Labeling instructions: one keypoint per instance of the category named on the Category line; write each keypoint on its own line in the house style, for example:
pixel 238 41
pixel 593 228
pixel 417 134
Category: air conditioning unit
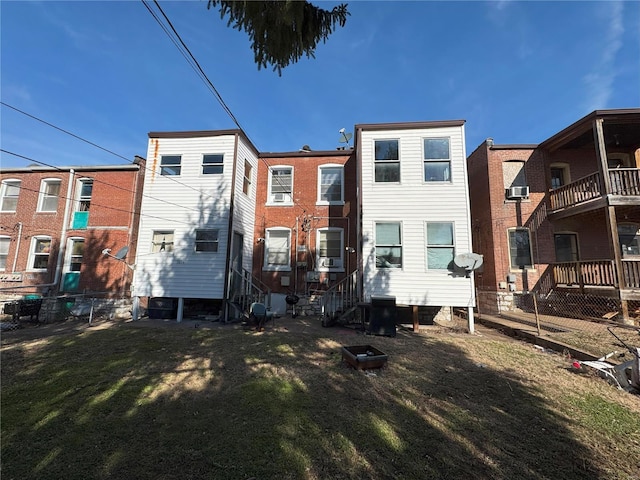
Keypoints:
pixel 278 197
pixel 326 262
pixel 518 192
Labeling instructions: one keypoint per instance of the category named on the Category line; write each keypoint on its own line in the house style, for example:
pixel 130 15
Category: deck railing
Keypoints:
pixel 583 189
pixel 624 181
pixel 340 297
pixel 597 273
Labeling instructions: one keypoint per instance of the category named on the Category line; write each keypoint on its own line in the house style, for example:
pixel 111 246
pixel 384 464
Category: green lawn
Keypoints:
pixel 166 402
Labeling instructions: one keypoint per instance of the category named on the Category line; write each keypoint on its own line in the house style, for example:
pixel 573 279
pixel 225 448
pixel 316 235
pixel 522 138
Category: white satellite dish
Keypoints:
pixel 344 136
pixel 468 261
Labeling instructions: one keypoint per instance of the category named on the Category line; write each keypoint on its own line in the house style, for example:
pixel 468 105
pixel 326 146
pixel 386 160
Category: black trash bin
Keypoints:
pixel 383 316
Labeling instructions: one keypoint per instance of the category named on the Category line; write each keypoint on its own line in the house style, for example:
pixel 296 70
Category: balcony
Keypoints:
pixel 597 274
pixel 625 182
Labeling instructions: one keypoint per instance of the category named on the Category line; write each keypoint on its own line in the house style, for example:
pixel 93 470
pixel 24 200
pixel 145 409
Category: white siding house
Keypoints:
pixel 197 216
pixel 415 215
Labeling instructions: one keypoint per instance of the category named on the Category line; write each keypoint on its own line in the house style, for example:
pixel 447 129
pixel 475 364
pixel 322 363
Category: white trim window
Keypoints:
pixel 277 250
pixel 388 244
pixel 9 195
pixel 162 241
pixel 330 184
pixel 520 256
pixel 4 251
pixel 212 164
pixel 437 159
pixel 387 161
pixel 74 254
pixel 49 195
pixel 85 191
pixel 330 248
pixel 440 245
pixel 39 253
pixel 207 240
pixel 280 185
pixel 246 180
pixel 170 165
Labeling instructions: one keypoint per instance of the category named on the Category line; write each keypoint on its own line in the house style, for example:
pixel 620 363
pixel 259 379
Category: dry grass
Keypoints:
pixel 153 400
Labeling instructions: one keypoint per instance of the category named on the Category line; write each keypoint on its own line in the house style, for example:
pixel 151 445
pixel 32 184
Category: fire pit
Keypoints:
pixel 362 357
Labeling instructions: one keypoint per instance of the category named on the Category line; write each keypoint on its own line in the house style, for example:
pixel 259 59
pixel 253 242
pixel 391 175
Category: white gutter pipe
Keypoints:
pixel 15 257
pixel 63 232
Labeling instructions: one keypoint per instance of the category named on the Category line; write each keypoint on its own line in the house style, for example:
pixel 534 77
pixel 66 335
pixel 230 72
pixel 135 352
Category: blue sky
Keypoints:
pixel 515 71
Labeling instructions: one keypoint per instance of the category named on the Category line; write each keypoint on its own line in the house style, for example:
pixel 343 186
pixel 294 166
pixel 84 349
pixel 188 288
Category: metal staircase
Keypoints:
pixel 245 289
pixel 340 302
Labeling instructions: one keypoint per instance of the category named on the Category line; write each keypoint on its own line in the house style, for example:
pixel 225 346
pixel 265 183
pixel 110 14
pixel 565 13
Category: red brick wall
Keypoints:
pixel 112 224
pixel 304 211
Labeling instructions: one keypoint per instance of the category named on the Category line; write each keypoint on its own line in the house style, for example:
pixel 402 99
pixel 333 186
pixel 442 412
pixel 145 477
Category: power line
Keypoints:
pixel 99 181
pixel 102 148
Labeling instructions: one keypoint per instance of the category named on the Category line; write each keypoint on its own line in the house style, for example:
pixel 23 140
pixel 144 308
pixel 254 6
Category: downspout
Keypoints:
pixel 227 284
pixel 15 257
pixel 63 232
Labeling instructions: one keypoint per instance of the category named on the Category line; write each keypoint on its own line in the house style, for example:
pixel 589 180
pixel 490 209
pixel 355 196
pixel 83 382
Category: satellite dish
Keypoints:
pixel 468 261
pixel 120 254
pixel 344 137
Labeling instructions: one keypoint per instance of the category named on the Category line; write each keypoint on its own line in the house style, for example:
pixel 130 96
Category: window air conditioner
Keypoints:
pixel 518 192
pixel 327 262
pixel 278 197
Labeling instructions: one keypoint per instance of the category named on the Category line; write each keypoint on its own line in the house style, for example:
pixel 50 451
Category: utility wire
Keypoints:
pixel 98 181
pixel 106 150
pixel 110 208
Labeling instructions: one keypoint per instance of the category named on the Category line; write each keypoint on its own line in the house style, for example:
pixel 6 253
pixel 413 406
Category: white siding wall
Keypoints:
pixel 245 205
pixel 413 202
pixel 184 203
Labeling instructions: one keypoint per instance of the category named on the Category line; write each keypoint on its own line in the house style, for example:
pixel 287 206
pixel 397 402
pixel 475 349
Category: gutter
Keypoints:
pixel 63 232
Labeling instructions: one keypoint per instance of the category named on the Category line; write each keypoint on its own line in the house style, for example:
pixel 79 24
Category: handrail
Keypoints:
pixel 341 296
pixel 246 289
pixel 625 181
pixel 581 190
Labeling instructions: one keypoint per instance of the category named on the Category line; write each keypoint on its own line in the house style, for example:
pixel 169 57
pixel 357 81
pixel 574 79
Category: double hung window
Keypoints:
pixel 330 184
pixel 213 164
pixel 49 194
pixel 520 248
pixel 330 248
pixel 170 165
pixel 4 251
pixel 9 195
pixel 388 245
pixel 40 251
pixel 437 160
pixel 281 185
pixel 206 240
pixel 387 161
pixel 440 245
pixel 277 249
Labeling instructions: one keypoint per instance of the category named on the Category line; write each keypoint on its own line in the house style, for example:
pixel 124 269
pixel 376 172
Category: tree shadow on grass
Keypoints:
pixel 229 404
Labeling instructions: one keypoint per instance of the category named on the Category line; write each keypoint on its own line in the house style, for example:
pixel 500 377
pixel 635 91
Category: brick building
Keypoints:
pixel 562 217
pixel 56 222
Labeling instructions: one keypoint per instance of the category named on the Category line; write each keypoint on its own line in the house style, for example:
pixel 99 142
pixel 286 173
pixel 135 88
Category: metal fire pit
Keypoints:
pixel 362 357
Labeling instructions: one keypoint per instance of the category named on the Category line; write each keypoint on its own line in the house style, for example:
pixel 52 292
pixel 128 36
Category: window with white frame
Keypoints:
pixel 331 184
pixel 387 161
pixel 9 195
pixel 162 241
pixel 4 251
pixel 49 195
pixel 281 185
pixel 170 165
pixel 330 248
pixel 40 252
pixel 206 240
pixel 440 245
pixel 520 248
pixel 388 245
pixel 85 193
pixel 246 181
pixel 277 254
pixel 75 252
pixel 437 160
pixel 212 164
